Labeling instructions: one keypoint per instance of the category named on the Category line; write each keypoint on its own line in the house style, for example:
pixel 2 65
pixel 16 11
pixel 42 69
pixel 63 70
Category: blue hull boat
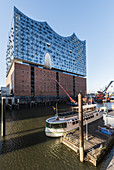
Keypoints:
pixel 107 131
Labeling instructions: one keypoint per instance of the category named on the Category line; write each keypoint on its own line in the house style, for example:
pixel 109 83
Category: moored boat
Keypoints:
pixel 63 122
pixel 72 103
pixel 106 131
pixel 108 118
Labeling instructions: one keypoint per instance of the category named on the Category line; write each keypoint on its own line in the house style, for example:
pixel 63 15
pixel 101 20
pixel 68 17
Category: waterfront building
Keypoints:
pixel 36 56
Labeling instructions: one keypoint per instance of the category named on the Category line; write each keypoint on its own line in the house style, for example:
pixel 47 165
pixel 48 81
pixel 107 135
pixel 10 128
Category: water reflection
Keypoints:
pixel 26 146
pixel 108 105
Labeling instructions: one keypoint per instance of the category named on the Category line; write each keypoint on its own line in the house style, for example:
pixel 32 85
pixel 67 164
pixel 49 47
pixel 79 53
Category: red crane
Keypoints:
pixel 72 100
pixel 101 95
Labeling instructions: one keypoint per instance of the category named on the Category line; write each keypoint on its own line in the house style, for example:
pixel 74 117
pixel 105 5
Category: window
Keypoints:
pixel 60 125
pixel 48 44
pixel 75 122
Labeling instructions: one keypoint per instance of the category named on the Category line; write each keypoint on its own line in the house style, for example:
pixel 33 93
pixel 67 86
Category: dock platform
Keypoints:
pixel 95 147
pixel 111 164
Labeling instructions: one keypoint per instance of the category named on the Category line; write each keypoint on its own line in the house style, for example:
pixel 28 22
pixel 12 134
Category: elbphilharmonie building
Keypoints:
pixel 36 56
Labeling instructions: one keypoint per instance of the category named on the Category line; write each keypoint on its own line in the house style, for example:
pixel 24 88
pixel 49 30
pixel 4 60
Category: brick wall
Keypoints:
pixel 80 85
pixel 44 82
pixel 22 80
pixel 19 78
pixel 67 82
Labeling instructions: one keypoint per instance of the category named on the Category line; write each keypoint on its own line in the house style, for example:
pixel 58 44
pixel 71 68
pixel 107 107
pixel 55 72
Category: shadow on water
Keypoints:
pixel 28 113
pixel 30 130
pixel 22 142
pixel 33 112
pixel 39 111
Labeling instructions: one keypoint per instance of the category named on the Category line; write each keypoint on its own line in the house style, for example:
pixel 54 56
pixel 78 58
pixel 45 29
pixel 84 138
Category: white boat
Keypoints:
pixel 108 118
pixel 63 122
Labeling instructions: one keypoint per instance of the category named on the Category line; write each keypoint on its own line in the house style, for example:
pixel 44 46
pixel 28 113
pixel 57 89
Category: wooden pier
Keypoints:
pixel 111 164
pixel 95 147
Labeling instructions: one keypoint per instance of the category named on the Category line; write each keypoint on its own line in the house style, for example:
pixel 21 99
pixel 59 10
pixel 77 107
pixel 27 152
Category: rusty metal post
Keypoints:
pixel 81 138
pixel 3 112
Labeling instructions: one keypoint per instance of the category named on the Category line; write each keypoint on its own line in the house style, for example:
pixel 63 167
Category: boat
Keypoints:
pixel 63 122
pixel 112 99
pixel 72 103
pixel 102 95
pixel 107 131
pixel 108 118
pixel 99 97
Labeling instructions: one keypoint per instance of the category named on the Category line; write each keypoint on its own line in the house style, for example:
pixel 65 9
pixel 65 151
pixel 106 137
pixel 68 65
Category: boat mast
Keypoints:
pixel 56 110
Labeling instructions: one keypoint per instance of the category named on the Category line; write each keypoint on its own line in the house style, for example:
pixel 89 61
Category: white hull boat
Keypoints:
pixel 63 122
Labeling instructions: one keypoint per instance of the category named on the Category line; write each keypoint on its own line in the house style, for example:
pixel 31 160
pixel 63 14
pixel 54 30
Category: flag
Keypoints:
pixel 54 108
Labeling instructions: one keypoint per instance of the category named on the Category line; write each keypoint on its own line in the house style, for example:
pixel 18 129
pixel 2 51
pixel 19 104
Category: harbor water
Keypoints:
pixel 26 147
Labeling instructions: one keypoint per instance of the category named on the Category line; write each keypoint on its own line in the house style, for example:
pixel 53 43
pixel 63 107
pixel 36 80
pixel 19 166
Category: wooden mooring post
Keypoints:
pixel 3 112
pixel 81 137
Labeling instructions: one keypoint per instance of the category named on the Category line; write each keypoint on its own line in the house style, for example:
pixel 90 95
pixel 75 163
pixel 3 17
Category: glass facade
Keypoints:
pixel 30 40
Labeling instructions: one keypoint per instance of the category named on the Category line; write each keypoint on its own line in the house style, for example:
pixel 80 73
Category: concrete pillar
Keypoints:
pixel 3 112
pixel 81 138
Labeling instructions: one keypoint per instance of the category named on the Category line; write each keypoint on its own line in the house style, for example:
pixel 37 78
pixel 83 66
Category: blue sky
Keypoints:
pixel 90 20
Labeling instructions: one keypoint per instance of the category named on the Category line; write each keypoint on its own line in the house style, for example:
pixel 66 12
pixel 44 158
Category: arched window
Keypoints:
pixel 47 61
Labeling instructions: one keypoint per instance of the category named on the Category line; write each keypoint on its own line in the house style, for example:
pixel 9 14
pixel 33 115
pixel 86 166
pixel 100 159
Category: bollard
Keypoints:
pixel 3 111
pixel 81 138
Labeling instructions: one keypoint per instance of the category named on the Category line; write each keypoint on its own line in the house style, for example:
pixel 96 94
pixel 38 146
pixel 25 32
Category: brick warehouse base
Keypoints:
pixel 24 80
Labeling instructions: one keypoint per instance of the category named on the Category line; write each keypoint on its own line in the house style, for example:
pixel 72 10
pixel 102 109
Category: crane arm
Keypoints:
pixel 65 92
pixel 108 85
